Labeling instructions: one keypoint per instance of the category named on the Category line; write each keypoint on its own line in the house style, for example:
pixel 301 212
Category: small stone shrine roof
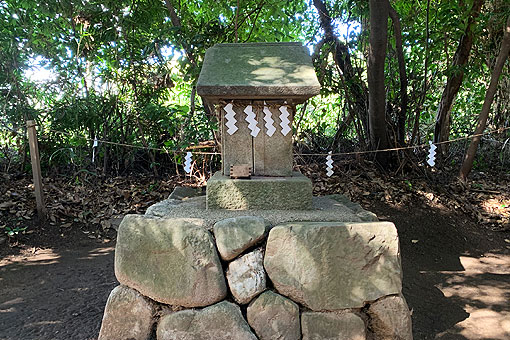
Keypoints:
pixel 258 71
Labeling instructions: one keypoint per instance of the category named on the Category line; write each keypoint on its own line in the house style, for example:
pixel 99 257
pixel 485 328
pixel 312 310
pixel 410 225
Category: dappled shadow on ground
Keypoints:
pixel 456 280
pixel 55 294
pixel 456 274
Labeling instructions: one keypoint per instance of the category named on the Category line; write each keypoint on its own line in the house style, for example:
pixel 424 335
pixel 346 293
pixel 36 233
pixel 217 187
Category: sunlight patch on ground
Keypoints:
pixel 8 306
pixel 97 252
pixel 499 207
pixel 41 323
pixel 489 263
pixel 40 257
pixel 484 290
pixel 482 324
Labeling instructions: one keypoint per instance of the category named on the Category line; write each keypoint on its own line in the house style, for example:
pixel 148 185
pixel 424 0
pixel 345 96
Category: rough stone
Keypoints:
pixel 274 317
pixel 333 266
pixel 267 70
pixel 246 276
pixel 356 208
pixel 284 193
pixel 182 193
pixel 235 235
pixel 390 319
pixel 220 321
pixel 127 315
pixel 367 216
pixel 173 261
pixel 162 208
pixel 323 209
pixel 331 326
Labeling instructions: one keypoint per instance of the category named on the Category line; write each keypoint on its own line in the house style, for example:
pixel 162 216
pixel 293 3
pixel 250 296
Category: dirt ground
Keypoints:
pixel 456 277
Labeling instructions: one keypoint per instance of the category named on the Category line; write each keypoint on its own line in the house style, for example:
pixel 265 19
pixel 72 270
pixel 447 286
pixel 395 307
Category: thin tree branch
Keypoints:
pixel 402 75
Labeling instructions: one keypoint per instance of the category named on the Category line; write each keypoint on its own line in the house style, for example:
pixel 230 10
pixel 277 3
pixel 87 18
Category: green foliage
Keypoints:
pixel 13 231
pixel 124 72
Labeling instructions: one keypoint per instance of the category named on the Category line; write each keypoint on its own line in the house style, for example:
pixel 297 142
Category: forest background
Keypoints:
pixel 124 72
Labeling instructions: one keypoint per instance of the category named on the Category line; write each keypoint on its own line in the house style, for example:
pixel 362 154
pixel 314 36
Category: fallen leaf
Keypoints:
pixel 6 205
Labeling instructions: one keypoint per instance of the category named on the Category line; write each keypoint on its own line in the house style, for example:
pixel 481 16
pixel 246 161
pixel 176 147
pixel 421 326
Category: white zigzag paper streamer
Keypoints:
pixel 270 129
pixel 285 122
pixel 94 146
pixel 252 122
pixel 187 162
pixel 231 121
pixel 432 155
pixel 329 163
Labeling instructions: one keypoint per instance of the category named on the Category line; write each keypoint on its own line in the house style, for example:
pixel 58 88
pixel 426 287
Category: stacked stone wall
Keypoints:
pixel 245 279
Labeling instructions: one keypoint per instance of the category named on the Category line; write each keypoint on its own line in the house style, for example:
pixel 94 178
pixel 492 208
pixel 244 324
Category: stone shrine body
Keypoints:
pixel 258 257
pixel 255 89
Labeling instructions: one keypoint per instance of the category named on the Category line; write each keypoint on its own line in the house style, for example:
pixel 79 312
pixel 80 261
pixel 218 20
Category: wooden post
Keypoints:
pixel 36 169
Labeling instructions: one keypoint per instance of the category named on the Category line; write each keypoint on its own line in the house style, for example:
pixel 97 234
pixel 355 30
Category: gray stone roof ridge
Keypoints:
pixel 258 70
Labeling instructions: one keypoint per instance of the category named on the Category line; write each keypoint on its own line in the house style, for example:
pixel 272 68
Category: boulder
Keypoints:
pixel 390 319
pixel 246 276
pixel 220 321
pixel 334 265
pixel 274 317
pixel 364 215
pixel 182 193
pixel 332 326
pixel 127 315
pixel 235 235
pixel 162 208
pixel 172 261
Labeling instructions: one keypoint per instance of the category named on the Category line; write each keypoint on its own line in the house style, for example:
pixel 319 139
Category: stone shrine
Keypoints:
pixel 255 89
pixel 258 257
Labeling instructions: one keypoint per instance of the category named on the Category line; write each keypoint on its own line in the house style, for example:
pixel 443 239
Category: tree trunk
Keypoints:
pixel 442 127
pixel 489 98
pixel 416 126
pixel 176 22
pixel 379 11
pixel 355 89
pixel 402 115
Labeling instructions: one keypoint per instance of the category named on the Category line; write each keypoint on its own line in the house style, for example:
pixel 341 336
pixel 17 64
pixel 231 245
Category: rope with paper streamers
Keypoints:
pixel 419 146
pixel 188 160
pixel 135 146
pixel 189 151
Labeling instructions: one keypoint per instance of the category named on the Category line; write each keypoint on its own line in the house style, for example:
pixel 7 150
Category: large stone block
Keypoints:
pixel 334 265
pixel 220 321
pixel 274 317
pixel 323 209
pixel 172 261
pixel 127 315
pixel 235 235
pixel 331 326
pixel 284 193
pixel 246 276
pixel 390 319
pixel 364 215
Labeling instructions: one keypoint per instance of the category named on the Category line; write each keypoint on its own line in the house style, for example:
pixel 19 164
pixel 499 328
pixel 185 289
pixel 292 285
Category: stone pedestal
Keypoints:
pixel 330 279
pixel 262 193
